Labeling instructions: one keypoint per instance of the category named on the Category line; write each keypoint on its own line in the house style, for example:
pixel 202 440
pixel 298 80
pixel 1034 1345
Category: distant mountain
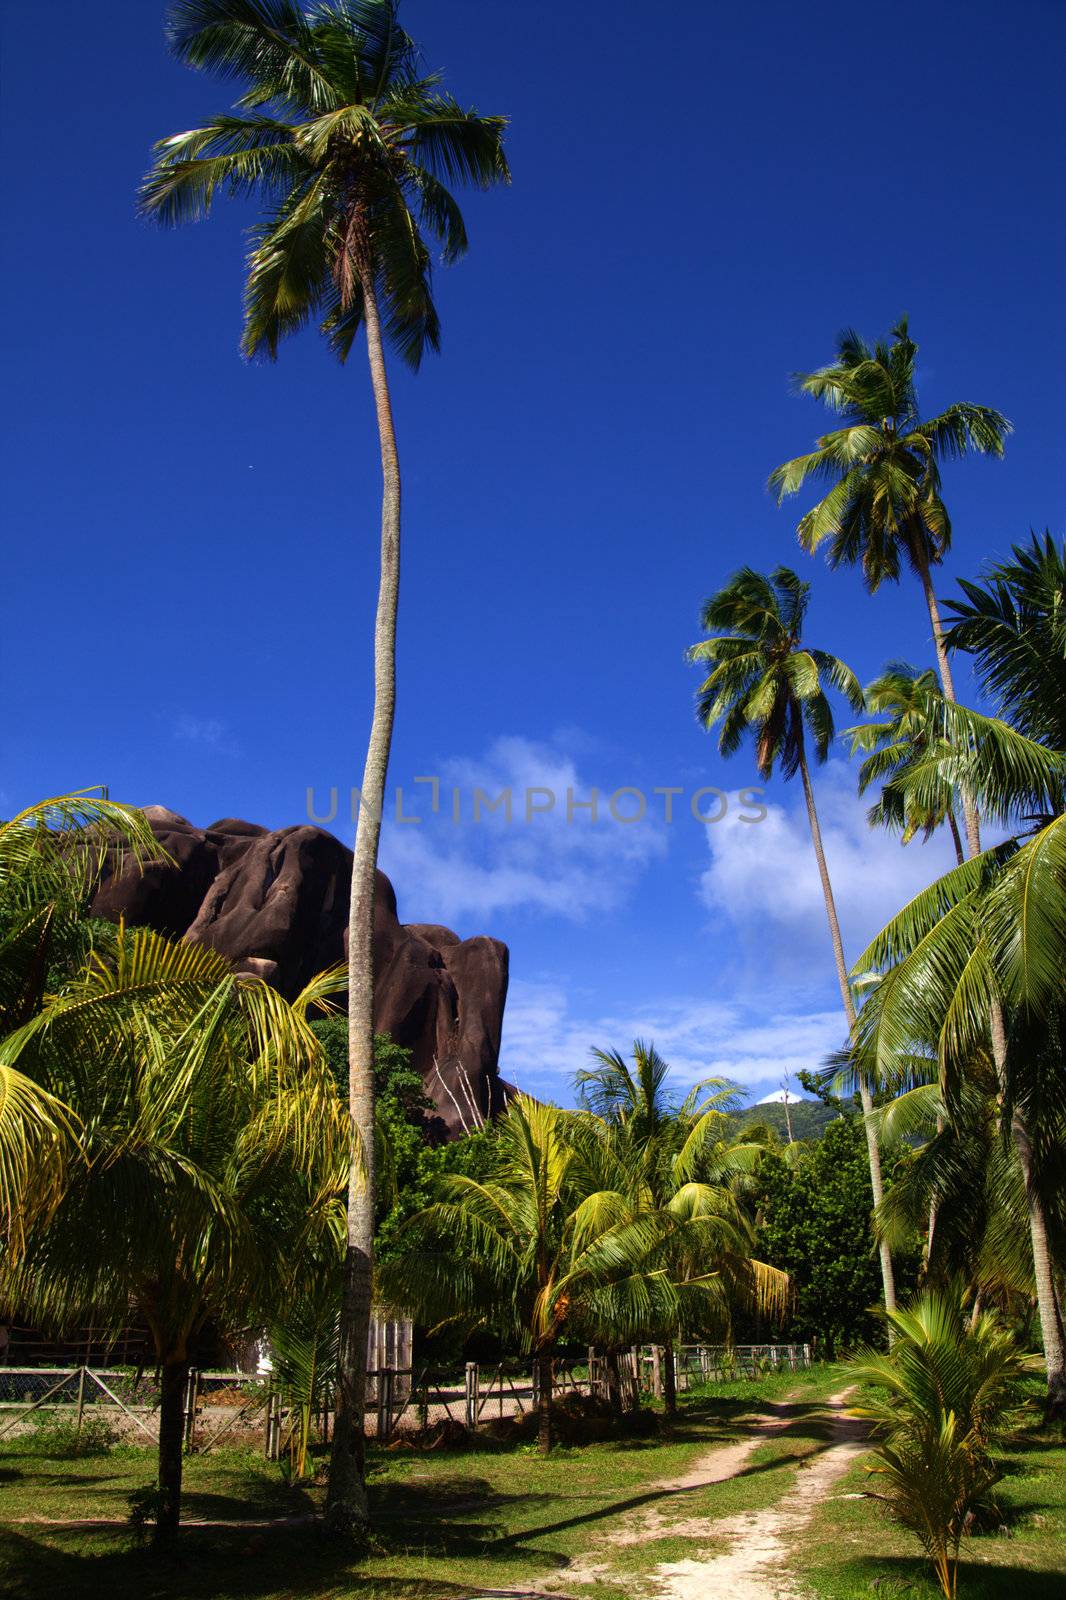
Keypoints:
pixel 810 1118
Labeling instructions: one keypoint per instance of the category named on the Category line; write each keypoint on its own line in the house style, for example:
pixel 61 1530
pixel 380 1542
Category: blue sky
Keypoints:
pixel 702 196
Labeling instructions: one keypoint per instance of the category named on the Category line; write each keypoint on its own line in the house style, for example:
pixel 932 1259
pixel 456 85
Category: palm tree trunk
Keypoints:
pixel 888 1280
pixel 544 1402
pixel 1051 1330
pixel 933 1210
pixel 173 1379
pixel 346 1504
pixel 969 810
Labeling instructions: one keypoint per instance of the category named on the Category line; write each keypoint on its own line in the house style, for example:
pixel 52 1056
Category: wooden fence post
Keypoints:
pixel 81 1397
pixel 385 1377
pixel 191 1386
pixel 472 1386
pixel 656 1372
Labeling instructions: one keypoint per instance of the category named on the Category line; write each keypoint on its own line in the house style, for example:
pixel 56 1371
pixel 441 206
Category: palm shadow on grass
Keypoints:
pixel 210 1563
pixel 458 1517
pixel 891 1576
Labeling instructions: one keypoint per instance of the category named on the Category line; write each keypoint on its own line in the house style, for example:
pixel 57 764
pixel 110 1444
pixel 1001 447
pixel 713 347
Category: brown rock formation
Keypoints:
pixel 276 903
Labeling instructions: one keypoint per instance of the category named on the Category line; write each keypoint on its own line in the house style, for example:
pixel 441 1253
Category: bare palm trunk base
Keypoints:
pixel 888 1280
pixel 346 1504
pixel 669 1379
pixel 1051 1330
pixel 173 1378
pixel 544 1403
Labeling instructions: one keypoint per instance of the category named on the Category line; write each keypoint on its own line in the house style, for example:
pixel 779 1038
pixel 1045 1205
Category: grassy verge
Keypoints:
pixel 852 1549
pixel 446 1523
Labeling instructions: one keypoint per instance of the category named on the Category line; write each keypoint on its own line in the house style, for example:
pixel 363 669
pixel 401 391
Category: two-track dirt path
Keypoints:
pixel 755 1564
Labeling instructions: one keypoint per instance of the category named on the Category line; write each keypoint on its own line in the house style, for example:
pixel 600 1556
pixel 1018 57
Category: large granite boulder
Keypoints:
pixel 276 903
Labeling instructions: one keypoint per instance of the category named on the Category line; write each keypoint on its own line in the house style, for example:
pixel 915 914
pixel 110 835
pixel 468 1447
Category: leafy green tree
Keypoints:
pixel 765 682
pixel 814 1222
pixel 211 1148
pixel 943 1394
pixel 407 1164
pixel 884 509
pixel 349 145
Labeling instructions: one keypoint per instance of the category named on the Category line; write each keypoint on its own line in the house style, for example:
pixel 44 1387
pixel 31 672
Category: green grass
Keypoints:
pixel 446 1524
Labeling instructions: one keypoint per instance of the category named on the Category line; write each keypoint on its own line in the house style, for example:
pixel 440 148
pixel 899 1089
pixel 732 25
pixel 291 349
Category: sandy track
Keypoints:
pixel 755 1566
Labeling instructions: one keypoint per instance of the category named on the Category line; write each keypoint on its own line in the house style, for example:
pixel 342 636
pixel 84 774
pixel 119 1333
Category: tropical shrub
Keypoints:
pixel 943 1394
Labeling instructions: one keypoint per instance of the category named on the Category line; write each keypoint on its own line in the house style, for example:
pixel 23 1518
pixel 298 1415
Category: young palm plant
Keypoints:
pixel 350 146
pixel 212 1148
pixel 950 1389
pixel 765 682
pixel 884 509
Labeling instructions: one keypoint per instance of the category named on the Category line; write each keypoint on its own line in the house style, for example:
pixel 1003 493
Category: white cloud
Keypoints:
pixel 545 1041
pixel 551 856
pixel 201 730
pixel 763 876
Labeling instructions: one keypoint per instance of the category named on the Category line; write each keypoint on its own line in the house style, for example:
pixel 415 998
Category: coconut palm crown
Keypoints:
pixel 763 679
pixel 884 505
pixel 911 733
pixel 347 143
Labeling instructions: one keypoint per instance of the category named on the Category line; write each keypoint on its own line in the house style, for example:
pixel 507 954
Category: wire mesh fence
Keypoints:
pixel 250 1409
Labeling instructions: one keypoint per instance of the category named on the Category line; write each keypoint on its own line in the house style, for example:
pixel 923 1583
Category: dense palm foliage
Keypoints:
pixel 350 148
pixel 211 1149
pixel 1013 623
pixel 569 1238
pixel 764 681
pixel 942 1396
pixel 680 1158
pixel 51 855
pixel 971 968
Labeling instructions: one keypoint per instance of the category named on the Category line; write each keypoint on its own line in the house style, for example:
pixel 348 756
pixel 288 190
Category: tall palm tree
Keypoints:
pixel 884 509
pixel 766 682
pixel 911 734
pixel 349 145
pixel 212 1145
